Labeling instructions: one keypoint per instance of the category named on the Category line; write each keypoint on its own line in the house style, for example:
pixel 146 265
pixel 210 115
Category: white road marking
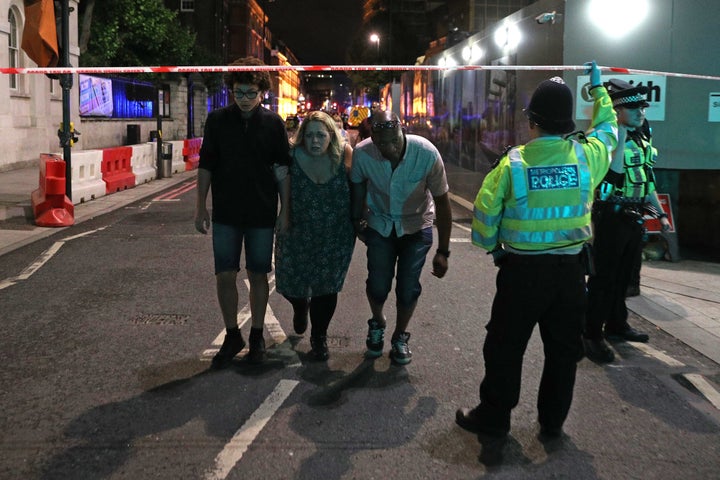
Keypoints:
pixel 273 327
pixel 707 390
pixel 84 234
pixel 462 227
pixel 243 438
pixel 465 239
pixel 461 201
pixel 657 354
pixel 42 260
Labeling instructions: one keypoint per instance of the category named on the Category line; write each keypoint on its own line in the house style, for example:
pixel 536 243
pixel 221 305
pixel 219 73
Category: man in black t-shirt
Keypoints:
pixel 244 160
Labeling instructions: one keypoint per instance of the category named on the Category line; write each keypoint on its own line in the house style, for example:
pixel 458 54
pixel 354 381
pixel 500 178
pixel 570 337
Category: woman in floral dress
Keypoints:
pixel 312 257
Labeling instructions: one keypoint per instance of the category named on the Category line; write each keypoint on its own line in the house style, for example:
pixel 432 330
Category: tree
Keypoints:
pixel 134 32
pixel 86 12
pixel 138 32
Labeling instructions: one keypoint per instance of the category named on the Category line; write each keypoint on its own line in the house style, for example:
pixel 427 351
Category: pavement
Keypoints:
pixel 17 227
pixel 681 298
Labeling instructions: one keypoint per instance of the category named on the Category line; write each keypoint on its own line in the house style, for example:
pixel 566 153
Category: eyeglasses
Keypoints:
pixel 250 94
pixel 385 125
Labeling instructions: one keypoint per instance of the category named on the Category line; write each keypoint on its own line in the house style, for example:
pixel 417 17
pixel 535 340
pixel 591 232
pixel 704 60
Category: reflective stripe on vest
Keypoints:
pixel 522 212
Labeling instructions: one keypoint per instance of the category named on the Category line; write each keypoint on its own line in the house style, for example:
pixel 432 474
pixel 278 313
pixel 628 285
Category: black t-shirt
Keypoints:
pixel 240 155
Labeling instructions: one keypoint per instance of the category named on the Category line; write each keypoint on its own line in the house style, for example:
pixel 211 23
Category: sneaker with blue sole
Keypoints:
pixel 400 352
pixel 375 339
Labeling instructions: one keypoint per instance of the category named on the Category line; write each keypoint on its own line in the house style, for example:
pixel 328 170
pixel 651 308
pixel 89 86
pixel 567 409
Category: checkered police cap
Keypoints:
pixel 624 94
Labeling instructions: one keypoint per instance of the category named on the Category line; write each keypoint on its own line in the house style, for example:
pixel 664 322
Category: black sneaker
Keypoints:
pixel 375 339
pixel 319 348
pixel 232 345
pixel 400 351
pixel 598 350
pixel 257 346
pixel 627 335
pixel 467 419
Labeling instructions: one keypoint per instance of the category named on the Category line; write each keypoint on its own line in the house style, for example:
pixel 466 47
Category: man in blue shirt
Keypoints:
pixel 401 178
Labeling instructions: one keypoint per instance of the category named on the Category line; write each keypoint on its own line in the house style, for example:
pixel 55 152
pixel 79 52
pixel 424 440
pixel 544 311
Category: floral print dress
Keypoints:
pixel 313 257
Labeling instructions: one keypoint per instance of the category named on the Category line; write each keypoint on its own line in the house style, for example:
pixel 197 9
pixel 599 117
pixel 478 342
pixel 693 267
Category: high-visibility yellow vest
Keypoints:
pixel 549 205
pixel 539 196
pixel 639 160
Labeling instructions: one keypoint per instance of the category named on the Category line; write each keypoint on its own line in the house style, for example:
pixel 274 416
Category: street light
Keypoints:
pixel 634 12
pixel 375 38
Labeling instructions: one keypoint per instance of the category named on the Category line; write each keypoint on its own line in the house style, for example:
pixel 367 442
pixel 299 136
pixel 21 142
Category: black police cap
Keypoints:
pixel 624 94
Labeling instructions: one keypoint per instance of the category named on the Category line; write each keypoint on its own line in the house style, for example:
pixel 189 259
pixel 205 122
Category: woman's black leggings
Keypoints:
pixel 322 309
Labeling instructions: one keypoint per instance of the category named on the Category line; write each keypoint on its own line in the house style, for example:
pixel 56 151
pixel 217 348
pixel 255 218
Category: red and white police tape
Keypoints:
pixel 332 68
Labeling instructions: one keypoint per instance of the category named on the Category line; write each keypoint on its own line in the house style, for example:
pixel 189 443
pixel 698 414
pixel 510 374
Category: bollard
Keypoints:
pixel 166 164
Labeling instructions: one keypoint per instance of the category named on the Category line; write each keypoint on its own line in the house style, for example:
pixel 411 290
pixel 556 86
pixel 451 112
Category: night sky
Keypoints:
pixel 316 31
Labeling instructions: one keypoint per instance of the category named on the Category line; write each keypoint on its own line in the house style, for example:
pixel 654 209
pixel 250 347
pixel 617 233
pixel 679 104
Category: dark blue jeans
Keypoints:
pixel 407 253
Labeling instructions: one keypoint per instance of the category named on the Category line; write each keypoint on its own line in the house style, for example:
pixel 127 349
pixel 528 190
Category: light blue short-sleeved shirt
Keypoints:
pixel 402 198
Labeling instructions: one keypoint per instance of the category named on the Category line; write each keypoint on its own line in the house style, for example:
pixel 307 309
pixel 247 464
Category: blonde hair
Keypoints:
pixel 335 149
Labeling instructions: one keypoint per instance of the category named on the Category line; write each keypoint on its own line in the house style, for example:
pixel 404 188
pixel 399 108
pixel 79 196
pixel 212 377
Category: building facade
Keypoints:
pixel 472 115
pixel 30 119
pixel 239 28
pixel 31 114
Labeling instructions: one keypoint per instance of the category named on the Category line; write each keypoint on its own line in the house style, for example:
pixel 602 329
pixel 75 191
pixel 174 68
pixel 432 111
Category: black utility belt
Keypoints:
pixel 617 207
pixel 624 201
pixel 541 259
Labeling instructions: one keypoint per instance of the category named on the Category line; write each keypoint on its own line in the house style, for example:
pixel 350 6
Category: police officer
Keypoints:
pixel 618 219
pixel 533 214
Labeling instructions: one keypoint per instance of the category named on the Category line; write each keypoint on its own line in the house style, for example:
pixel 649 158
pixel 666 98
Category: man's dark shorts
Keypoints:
pixel 227 246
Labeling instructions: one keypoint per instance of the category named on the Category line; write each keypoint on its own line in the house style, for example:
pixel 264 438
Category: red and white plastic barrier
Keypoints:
pixel 117 169
pixel 51 207
pixel 191 152
pixel 87 182
pixel 143 162
pixel 178 161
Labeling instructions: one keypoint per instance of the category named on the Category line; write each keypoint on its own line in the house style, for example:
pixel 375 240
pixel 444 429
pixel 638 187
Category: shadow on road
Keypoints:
pixel 346 414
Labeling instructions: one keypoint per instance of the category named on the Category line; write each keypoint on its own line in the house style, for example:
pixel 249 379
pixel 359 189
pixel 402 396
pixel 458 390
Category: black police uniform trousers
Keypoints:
pixel 548 290
pixel 616 241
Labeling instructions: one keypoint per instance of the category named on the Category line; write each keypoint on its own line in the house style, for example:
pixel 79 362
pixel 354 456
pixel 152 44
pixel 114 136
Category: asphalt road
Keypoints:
pixel 106 346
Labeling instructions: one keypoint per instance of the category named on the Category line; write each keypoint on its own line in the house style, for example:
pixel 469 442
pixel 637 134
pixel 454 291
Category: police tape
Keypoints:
pixel 333 68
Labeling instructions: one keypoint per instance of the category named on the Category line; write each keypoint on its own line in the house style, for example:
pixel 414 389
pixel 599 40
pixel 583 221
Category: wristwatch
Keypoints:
pixel 444 253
